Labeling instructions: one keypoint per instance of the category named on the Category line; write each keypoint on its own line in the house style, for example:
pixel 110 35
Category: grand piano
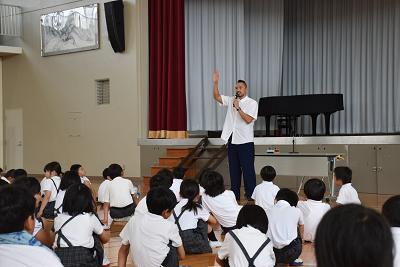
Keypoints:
pixel 296 105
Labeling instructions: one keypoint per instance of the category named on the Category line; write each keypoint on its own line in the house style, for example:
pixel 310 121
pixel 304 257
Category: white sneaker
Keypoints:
pixel 297 262
pixel 215 244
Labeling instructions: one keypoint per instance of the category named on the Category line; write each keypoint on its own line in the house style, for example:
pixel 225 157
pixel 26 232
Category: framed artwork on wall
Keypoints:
pixel 71 30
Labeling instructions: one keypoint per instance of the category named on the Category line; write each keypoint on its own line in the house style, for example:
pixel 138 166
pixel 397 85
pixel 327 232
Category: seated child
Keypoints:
pixel 32 185
pixel 78 230
pixel 286 227
pixel 17 222
pixel 191 219
pixel 220 202
pixel 51 189
pixel 69 178
pixel 153 240
pixel 103 185
pixel 313 209
pixel 119 195
pixel 248 239
pixel 352 235
pixel 264 193
pixel 347 193
pixel 179 174
pixel 9 176
pixel 82 173
pixel 391 210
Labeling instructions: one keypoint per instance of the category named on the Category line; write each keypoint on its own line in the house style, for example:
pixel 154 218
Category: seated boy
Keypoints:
pixel 17 222
pixel 347 193
pixel 264 193
pixel 179 174
pixel 286 227
pixel 313 209
pixel 103 185
pixel 153 240
pixel 391 210
pixel 119 195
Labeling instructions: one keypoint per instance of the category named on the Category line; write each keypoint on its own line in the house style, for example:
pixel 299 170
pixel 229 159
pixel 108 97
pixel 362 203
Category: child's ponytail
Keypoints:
pixel 190 189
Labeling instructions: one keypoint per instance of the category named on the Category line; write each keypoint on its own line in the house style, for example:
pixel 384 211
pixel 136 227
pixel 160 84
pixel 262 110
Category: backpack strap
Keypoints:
pixel 58 209
pixel 250 260
pixel 177 220
pixel 58 189
pixel 61 235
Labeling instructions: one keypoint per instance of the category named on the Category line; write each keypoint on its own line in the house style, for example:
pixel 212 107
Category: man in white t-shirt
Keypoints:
pixel 17 245
pixel 238 132
pixel 119 196
pixel 347 193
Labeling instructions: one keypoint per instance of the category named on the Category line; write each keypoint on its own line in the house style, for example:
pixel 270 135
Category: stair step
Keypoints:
pixel 178 152
pixel 170 161
pixel 146 179
pixel 190 173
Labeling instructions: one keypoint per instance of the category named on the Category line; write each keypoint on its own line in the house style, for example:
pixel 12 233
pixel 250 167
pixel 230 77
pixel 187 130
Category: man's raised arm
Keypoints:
pixel 217 96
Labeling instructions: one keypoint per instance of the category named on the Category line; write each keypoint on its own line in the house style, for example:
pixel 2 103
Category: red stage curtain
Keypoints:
pixel 167 69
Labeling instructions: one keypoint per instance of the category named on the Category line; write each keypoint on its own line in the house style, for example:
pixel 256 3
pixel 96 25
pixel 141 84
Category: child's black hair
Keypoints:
pixel 78 199
pixel 314 189
pixel 160 180
pixel 268 173
pixel 179 172
pixel 361 237
pixel 19 173
pixel 1 170
pixel 190 189
pixel 213 183
pixel 75 167
pixel 9 173
pixel 167 173
pixel 105 173
pixel 203 173
pixel 16 205
pixel 2 183
pixel 114 170
pixel 69 178
pixel 53 166
pixel 343 173
pixel 287 195
pixel 254 216
pixel 159 199
pixel 391 210
pixel 29 183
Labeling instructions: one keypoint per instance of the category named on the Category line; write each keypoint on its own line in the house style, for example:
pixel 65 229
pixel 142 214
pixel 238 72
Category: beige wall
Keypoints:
pixel 48 88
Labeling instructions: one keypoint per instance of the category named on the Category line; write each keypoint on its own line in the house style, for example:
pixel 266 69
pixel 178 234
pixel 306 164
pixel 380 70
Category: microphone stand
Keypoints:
pixel 293 152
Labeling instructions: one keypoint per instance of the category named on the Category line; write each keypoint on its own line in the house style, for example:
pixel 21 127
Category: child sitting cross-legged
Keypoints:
pixel 347 193
pixel 264 193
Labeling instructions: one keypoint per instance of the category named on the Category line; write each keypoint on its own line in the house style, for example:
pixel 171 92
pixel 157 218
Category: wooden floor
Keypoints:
pixel 373 201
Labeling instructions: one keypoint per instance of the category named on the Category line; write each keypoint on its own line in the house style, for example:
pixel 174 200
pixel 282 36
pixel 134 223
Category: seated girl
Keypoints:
pixel 69 178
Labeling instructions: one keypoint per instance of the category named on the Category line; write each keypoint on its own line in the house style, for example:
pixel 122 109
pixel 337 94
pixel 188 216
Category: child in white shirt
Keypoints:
pixel 103 185
pixel 264 193
pixel 252 226
pixel 179 174
pixel 391 210
pixel 82 173
pixel 151 239
pixel 347 193
pixel 51 189
pixel 313 209
pixel 286 227
pixel 69 178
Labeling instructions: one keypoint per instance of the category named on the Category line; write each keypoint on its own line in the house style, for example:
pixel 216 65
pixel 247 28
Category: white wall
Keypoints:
pixel 48 88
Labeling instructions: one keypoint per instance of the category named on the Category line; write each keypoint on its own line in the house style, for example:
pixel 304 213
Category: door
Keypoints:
pixel 14 139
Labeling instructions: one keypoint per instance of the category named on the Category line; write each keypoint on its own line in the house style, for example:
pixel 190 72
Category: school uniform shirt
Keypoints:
pixel 149 236
pixel 42 186
pixel 189 220
pixel 348 195
pixel 49 186
pixel 38 226
pixel 22 255
pixel 84 178
pixel 242 132
pixel 224 207
pixel 252 239
pixel 313 211
pixel 79 230
pixel 282 223
pixel 142 207
pixel 59 201
pixel 5 179
pixel 264 194
pixel 396 238
pixel 102 188
pixel 176 188
pixel 119 192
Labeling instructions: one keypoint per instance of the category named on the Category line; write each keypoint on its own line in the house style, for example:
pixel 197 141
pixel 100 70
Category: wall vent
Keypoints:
pixel 103 92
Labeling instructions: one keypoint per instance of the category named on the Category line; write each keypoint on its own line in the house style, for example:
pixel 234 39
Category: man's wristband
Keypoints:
pixel 238 109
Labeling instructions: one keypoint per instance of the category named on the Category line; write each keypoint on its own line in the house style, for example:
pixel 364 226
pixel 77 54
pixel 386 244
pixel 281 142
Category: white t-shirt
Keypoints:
pixel 282 223
pixel 79 230
pixel 189 220
pixel 38 226
pixel 59 201
pixel 102 188
pixel 264 194
pixel 119 192
pixel 84 178
pixel 348 195
pixel 148 236
pixel 176 188
pixel 21 255
pixel 234 124
pixel 313 211
pixel 48 185
pixel 252 239
pixel 224 207
pixel 42 185
pixel 396 238
pixel 5 179
pixel 142 207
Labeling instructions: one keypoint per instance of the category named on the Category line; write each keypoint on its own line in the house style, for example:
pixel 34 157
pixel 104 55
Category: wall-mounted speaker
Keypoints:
pixel 114 11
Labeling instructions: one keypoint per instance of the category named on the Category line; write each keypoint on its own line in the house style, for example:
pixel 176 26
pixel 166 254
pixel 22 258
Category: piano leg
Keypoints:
pixel 314 117
pixel 327 122
pixel 267 122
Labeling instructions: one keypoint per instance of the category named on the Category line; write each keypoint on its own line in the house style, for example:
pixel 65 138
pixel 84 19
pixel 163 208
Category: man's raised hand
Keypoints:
pixel 215 75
